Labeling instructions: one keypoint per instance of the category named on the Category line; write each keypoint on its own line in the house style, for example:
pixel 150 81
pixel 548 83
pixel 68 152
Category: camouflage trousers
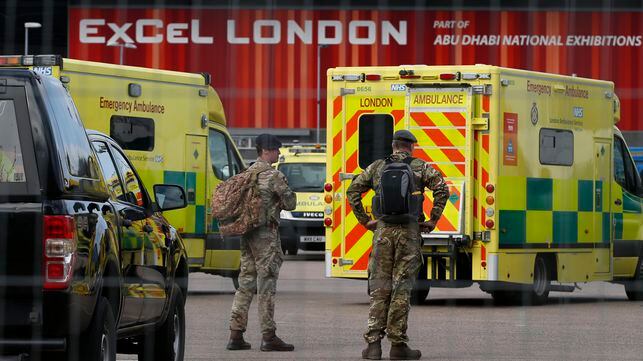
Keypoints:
pixel 261 258
pixel 392 269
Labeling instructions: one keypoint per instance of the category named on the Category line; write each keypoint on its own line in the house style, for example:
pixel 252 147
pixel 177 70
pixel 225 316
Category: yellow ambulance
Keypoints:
pixel 173 128
pixel 544 193
pixel 305 169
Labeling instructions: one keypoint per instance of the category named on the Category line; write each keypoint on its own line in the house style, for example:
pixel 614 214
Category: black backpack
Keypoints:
pixel 397 198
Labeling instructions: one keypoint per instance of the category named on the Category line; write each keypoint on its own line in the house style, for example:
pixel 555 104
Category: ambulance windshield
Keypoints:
pixel 304 177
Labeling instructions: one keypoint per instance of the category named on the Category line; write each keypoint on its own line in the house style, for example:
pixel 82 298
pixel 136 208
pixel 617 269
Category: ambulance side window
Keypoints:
pixel 624 170
pixel 132 133
pixel 225 162
pixel 375 138
pixel 556 147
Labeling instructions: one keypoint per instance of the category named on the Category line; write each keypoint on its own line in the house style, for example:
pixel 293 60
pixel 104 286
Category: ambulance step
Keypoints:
pixel 561 288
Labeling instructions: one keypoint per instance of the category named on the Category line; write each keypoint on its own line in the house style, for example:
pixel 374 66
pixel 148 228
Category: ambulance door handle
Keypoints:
pixel 346 176
pixel 618 202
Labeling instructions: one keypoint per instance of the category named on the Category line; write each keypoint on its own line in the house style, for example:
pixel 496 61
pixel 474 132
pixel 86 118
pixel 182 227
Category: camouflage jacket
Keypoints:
pixel 425 177
pixel 274 191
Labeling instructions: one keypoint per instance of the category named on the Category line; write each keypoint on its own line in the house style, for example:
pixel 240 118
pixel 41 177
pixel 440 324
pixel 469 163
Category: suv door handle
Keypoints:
pixel 147 228
pixel 618 202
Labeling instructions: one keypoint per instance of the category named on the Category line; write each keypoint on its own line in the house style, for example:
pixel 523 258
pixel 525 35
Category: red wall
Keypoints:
pixel 274 85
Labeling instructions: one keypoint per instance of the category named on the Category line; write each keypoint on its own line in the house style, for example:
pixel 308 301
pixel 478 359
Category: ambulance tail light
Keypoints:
pixel 328 222
pixel 490 188
pixel 328 199
pixel 490 223
pixel 328 187
pixel 59 251
pixel 373 77
pixel 449 76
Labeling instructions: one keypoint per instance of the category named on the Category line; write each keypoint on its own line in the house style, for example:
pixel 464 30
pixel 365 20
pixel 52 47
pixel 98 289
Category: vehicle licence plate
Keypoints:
pixel 312 239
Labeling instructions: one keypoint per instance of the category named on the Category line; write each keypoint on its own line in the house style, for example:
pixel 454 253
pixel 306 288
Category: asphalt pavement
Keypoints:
pixel 325 319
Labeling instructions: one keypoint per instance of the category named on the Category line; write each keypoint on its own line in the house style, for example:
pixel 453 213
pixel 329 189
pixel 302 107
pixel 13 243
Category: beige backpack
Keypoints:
pixel 236 204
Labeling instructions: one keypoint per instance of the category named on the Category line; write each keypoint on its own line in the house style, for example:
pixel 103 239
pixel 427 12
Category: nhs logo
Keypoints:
pixel 398 87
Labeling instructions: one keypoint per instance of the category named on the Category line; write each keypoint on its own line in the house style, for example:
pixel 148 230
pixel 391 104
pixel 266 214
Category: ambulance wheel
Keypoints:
pixel 421 287
pixel 293 249
pixel 634 288
pixel 542 280
pixel 418 296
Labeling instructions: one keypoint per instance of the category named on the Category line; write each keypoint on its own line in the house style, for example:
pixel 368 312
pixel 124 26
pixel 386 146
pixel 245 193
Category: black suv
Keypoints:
pixel 87 261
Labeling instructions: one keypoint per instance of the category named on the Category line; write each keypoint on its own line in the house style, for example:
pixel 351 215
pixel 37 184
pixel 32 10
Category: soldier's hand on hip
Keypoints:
pixel 371 225
pixel 427 226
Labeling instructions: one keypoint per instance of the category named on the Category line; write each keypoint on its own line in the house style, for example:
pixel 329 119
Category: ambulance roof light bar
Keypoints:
pixel 450 76
pixel 408 74
pixel 30 60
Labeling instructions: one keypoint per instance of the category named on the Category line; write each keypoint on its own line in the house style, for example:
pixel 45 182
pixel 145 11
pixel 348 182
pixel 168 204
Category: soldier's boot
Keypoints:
pixel 373 351
pixel 403 352
pixel 270 342
pixel 237 342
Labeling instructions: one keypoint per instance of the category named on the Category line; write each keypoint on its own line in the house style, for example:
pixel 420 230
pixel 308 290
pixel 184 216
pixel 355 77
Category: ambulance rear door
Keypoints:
pixel 366 116
pixel 441 119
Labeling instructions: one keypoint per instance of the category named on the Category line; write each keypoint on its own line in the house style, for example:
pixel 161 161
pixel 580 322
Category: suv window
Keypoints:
pixel 225 162
pixel 75 151
pixel 375 138
pixel 109 170
pixel 132 133
pixel 11 165
pixel 133 188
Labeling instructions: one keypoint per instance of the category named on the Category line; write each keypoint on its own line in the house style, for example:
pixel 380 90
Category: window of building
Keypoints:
pixel 556 147
pixel 375 138
pixel 132 133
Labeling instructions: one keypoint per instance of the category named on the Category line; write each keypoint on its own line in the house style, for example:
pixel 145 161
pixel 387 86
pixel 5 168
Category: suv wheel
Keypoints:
pixel 100 344
pixel 167 342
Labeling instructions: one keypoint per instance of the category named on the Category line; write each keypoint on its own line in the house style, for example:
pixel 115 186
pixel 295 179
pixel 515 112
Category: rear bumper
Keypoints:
pixel 17 345
pixel 43 324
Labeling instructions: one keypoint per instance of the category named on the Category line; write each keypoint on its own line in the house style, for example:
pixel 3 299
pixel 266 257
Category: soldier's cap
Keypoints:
pixel 405 135
pixel 267 142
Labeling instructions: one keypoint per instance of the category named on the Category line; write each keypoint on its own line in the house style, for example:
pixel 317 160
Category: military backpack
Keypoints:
pixel 237 205
pixel 397 199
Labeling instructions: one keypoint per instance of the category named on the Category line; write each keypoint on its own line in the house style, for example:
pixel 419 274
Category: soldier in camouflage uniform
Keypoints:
pixel 261 254
pixel 396 256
